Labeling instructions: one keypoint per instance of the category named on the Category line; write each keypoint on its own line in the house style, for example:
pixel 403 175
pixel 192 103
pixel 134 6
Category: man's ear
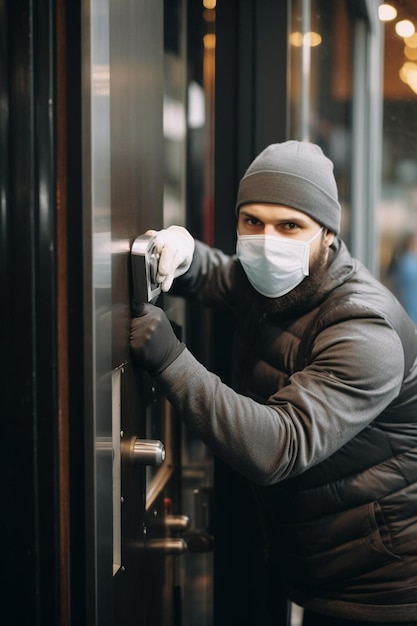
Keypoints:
pixel 328 237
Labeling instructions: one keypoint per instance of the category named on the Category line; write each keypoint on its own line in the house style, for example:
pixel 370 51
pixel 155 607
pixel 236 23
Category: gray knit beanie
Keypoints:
pixel 295 174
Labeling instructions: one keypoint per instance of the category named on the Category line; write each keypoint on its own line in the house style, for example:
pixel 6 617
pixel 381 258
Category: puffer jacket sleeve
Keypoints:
pixel 346 385
pixel 209 279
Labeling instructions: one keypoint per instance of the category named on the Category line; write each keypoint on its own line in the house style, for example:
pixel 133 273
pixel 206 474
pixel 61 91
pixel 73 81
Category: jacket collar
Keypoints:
pixel 340 268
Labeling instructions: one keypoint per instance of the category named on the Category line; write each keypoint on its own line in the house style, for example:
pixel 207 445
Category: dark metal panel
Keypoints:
pixel 123 185
pixel 17 327
pixel 137 158
pixel 251 96
pixel 70 136
pixel 29 372
pixel 232 113
pixel 137 182
pixel 271 74
pixel 251 112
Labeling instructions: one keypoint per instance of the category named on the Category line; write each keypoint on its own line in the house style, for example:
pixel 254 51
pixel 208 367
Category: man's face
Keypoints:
pixel 282 221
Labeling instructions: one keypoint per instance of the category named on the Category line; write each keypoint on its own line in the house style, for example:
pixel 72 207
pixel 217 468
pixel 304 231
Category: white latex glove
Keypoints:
pixel 175 246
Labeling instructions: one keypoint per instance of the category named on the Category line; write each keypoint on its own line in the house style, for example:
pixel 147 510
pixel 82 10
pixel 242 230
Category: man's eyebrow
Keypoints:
pixel 248 214
pixel 293 220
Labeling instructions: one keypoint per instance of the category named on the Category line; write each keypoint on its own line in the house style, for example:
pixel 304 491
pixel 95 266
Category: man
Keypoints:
pixel 403 274
pixel 322 417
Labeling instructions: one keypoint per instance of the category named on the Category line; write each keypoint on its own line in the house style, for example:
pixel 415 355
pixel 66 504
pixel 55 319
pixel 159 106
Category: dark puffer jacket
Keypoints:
pixel 323 419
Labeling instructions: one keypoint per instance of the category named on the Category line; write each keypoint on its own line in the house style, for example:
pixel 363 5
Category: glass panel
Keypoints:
pixel 397 211
pixel 188 179
pixel 158 423
pixel 197 567
pixel 320 90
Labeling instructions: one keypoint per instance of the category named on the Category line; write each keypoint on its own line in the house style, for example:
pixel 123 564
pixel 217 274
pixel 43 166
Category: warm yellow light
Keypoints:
pixel 411 42
pixel 313 39
pixel 296 39
pixel 386 12
pixel 410 53
pixel 209 4
pixel 309 39
pixel 408 74
pixel 404 28
pixel 209 41
pixel 407 70
pixel 412 81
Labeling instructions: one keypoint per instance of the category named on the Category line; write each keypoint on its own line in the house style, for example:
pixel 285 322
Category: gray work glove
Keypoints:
pixel 153 343
pixel 175 246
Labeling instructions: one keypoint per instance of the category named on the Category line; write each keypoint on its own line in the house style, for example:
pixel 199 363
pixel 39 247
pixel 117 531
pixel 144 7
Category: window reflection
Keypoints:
pixel 397 212
pixel 321 54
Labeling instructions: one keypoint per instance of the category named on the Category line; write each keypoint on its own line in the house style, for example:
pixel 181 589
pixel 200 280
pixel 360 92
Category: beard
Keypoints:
pixel 298 300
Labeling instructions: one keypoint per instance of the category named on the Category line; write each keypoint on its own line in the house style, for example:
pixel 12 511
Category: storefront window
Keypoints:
pixel 321 52
pixel 397 212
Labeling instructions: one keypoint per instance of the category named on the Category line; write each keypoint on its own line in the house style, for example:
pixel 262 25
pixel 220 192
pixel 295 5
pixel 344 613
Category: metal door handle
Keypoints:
pixel 166 545
pixel 176 523
pixel 148 451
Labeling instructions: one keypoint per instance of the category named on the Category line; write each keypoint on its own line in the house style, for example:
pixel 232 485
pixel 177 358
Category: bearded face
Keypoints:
pixel 297 298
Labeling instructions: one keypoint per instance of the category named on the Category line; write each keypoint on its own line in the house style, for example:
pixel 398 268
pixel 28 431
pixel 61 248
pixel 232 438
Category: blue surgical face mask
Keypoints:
pixel 274 265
